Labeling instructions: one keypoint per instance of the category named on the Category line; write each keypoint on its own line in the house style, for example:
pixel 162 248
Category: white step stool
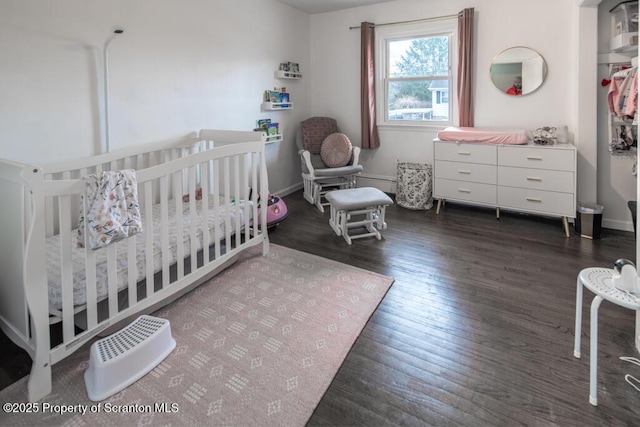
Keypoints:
pixel 119 360
pixel 367 201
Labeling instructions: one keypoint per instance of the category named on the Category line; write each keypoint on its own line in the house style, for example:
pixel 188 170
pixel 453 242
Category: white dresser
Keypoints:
pixel 538 179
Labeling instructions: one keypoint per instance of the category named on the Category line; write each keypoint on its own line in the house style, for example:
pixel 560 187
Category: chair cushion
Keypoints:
pixel 336 150
pixel 338 172
pixel 315 130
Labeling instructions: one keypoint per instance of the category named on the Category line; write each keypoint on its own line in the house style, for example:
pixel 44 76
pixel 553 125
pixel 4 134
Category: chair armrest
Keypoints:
pixel 356 155
pixel 306 158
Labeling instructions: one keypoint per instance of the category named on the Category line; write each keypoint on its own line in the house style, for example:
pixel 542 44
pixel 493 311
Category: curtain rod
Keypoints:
pixel 413 20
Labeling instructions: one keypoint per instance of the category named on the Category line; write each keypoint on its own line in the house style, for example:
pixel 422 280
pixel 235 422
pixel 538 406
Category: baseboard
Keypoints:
pixel 288 190
pixel 615 224
pixel 385 183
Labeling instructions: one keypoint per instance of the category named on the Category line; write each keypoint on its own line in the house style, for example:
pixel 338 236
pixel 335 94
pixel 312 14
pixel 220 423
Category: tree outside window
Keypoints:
pixel 418 79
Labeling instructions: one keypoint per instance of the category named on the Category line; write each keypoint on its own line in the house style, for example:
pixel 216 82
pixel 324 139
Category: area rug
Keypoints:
pixel 257 345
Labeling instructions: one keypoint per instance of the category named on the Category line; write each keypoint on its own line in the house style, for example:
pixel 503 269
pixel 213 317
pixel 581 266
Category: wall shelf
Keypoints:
pixel 270 139
pixel 280 74
pixel 274 106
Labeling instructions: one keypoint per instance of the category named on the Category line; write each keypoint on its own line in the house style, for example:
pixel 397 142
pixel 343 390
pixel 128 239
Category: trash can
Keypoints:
pixel 589 220
pixel 414 186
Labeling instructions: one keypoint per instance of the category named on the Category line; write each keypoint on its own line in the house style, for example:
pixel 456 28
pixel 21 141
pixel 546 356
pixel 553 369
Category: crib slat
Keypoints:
pixel 164 230
pixel 193 220
pixel 216 207
pixel 66 267
pixel 237 231
pixel 206 235
pixel 256 195
pixel 148 223
pixel 245 195
pixel 49 219
pixel 112 278
pixel 132 270
pixel 177 189
pixel 92 299
pixel 227 203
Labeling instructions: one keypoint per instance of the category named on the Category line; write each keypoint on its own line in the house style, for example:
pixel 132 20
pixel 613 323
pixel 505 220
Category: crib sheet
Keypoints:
pixel 78 258
pixel 484 135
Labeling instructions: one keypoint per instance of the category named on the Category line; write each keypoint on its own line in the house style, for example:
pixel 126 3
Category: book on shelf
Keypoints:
pixel 284 97
pixel 262 124
pixel 272 129
pixel 274 96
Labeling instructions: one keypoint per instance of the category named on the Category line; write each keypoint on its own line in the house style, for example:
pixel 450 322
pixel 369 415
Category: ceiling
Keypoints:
pixel 321 6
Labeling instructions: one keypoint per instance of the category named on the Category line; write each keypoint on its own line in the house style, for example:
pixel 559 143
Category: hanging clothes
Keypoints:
pixel 632 100
pixel 622 95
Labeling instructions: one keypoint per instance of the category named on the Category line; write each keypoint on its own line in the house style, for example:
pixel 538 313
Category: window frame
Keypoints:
pixel 385 34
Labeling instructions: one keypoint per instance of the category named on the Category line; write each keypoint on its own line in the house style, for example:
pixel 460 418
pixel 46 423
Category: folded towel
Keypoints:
pixel 113 212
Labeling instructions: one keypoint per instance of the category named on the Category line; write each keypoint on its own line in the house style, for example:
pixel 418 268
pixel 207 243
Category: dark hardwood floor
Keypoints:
pixel 477 329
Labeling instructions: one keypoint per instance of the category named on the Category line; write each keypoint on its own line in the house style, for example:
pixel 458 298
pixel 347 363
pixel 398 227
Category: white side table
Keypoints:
pixel 600 282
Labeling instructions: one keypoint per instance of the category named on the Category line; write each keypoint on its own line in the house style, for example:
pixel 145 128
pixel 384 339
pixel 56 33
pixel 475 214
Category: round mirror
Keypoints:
pixel 518 71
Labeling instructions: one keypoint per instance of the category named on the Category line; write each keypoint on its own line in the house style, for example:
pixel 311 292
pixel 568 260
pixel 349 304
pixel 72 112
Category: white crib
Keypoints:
pixel 45 280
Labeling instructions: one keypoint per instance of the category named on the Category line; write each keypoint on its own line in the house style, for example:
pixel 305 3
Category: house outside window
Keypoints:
pixel 415 73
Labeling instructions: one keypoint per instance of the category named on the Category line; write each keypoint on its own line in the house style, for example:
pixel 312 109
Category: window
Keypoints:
pixel 415 77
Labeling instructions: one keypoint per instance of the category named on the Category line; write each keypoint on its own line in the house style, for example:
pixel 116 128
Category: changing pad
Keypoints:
pixel 484 135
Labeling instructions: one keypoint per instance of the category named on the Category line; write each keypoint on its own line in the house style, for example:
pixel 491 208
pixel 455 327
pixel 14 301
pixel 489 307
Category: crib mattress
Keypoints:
pixel 484 135
pixel 78 254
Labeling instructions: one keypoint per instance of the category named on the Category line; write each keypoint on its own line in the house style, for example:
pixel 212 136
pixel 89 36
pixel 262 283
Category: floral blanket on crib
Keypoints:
pixel 113 211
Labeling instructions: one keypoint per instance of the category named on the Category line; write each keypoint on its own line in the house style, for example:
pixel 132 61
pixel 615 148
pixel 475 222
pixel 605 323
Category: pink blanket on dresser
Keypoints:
pixel 484 135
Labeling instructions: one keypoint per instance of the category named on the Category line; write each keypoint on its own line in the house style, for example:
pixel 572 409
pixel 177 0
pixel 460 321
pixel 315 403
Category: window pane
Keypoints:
pixel 419 100
pixel 420 57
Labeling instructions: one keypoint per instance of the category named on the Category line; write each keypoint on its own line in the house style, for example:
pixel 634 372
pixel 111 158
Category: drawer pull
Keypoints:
pixel 534 199
pixel 533 158
pixel 464 190
pixel 464 172
pixel 464 153
pixel 533 178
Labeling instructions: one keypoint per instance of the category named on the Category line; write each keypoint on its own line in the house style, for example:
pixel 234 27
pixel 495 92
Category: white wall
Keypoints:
pixel 499 25
pixel 180 66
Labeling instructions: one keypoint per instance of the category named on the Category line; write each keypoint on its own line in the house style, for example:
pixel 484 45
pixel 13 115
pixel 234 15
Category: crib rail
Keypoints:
pixel 137 157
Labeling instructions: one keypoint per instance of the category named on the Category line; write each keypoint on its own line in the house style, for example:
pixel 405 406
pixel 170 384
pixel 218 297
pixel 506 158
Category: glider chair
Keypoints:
pixel 329 161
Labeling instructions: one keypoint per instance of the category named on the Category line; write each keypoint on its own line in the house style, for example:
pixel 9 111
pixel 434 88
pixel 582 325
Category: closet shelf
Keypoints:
pixel 625 43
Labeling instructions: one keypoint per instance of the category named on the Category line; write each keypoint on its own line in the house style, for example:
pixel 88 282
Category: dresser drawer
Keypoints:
pixel 537 157
pixel 475 172
pixel 468 153
pixel 468 191
pixel 544 202
pixel 537 179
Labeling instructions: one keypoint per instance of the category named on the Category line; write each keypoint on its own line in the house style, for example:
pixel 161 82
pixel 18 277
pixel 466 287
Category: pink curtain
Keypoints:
pixel 465 66
pixel 369 127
